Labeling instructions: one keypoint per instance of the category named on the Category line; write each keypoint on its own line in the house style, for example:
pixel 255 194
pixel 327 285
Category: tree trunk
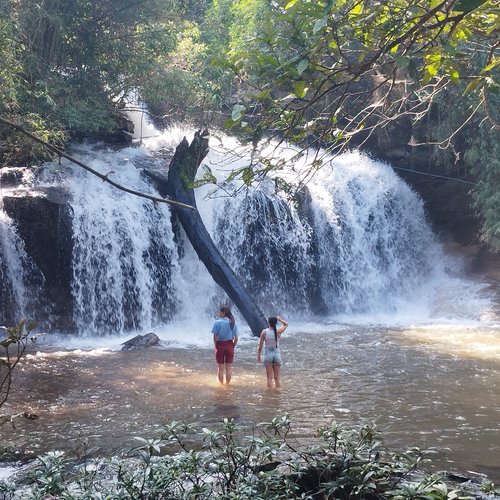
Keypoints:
pixel 181 174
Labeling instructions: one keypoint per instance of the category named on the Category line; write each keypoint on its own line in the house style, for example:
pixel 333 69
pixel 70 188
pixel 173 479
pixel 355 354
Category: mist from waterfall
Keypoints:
pixel 356 243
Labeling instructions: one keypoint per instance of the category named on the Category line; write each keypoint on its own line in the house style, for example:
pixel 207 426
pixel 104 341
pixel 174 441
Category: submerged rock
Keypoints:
pixel 140 342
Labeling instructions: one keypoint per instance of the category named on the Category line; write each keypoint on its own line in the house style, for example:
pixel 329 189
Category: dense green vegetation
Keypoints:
pixel 228 464
pixel 319 73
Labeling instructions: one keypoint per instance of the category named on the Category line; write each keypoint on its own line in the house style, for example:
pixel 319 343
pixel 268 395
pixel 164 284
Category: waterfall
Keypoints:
pixel 357 241
pixel 14 264
pixel 354 241
pixel 20 280
pixel 124 259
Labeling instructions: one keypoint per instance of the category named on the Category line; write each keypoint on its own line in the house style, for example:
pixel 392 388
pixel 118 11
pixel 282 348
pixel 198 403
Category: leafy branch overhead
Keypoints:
pixel 322 74
pixel 325 71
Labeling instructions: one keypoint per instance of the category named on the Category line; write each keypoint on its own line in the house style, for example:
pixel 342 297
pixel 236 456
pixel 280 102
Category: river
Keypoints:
pixel 430 386
pixel 406 339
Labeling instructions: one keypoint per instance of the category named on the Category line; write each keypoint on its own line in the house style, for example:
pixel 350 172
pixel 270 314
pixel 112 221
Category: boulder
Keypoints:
pixel 141 342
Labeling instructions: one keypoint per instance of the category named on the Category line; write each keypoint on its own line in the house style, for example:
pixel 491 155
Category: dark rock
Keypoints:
pixel 44 224
pixel 441 177
pixel 11 177
pixel 140 342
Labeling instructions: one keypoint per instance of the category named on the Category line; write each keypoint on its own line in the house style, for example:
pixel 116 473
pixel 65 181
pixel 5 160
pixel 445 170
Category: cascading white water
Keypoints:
pixel 375 246
pixel 13 265
pixel 21 282
pixel 125 263
pixel 356 242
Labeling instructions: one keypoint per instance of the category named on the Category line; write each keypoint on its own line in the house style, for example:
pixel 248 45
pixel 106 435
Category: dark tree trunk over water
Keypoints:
pixel 181 174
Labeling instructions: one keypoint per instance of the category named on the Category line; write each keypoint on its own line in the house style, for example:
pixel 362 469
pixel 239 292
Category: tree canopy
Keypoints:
pixel 330 73
pixel 327 70
pixel 318 73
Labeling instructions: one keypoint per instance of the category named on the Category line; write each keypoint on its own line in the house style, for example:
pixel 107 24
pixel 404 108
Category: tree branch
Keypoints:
pixel 104 177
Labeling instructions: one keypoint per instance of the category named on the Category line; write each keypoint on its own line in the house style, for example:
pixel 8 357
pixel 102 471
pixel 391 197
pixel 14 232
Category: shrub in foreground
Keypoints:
pixel 228 463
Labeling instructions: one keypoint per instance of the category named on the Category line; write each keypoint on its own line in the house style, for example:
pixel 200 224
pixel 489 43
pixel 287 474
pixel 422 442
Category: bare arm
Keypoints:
pixel 261 343
pixel 284 324
pixel 215 342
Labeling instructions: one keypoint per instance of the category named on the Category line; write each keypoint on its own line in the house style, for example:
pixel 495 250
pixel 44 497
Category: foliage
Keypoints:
pixel 67 65
pixel 10 66
pixel 268 464
pixel 318 73
pixel 328 74
pixel 194 82
pixel 13 345
pixel 484 155
pixel 327 70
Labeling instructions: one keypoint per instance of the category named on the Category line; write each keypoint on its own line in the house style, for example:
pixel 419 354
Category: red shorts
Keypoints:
pixel 224 351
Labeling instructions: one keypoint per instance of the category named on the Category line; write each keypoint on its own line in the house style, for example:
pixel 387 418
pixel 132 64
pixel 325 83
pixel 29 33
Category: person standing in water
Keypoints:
pixel 225 339
pixel 270 337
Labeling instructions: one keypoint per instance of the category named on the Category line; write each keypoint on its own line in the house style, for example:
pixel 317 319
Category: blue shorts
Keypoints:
pixel 272 356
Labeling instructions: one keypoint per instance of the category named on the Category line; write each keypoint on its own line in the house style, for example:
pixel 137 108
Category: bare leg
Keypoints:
pixel 269 373
pixel 276 370
pixel 220 372
pixel 228 373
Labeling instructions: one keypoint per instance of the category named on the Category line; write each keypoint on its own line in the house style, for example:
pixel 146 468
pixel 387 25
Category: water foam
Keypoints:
pixel 358 245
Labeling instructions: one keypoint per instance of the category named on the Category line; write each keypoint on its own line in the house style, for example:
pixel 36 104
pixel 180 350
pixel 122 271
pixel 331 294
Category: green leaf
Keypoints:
pixel 302 66
pixel 262 96
pixel 247 176
pixel 357 9
pixel 319 25
pixel 300 89
pixel 290 4
pixel 237 112
pixel 468 5
pixel 473 86
pixel 455 76
pixel 490 66
pixel 229 123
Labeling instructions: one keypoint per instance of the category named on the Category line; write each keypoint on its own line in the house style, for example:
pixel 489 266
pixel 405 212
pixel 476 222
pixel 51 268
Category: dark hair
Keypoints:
pixel 273 321
pixel 224 309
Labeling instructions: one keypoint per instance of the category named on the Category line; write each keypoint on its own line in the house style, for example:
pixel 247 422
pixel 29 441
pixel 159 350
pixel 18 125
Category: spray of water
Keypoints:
pixel 355 242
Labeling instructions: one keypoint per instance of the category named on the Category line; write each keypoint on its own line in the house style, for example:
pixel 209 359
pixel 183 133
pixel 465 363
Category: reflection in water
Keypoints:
pixel 421 386
pixel 465 342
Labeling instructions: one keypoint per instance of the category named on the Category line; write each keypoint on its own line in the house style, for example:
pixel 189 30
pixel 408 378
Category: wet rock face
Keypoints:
pixel 11 177
pixel 441 178
pixel 43 222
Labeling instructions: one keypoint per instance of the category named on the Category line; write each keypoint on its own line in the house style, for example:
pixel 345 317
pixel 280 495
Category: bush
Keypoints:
pixel 229 463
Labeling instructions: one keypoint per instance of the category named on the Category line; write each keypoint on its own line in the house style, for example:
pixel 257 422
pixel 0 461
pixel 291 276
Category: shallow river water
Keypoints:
pixel 425 386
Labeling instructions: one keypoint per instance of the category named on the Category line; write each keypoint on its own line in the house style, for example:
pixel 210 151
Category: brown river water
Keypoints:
pixel 425 386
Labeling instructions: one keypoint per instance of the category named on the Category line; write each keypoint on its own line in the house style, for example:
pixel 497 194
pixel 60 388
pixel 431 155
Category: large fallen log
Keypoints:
pixel 182 172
